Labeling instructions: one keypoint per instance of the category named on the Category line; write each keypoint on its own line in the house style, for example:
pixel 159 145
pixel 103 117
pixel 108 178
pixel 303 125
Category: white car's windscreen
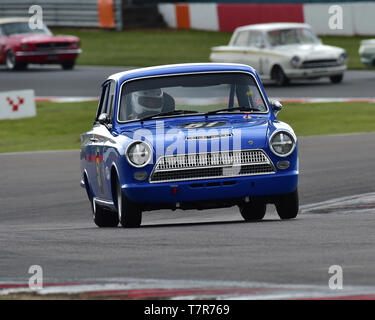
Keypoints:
pixel 198 93
pixel 291 36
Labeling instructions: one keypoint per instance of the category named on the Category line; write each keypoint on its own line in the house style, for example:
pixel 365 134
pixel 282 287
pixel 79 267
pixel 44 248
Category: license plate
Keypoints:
pixel 53 57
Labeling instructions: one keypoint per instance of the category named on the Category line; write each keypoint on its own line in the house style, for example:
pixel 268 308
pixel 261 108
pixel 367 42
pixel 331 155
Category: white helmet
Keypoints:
pixel 147 102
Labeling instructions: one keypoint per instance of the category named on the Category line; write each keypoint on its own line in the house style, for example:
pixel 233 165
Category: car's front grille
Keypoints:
pixel 52 45
pixel 320 63
pixel 211 165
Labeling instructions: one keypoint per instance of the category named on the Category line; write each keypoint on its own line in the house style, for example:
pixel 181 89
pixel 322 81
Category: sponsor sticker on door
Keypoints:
pixel 17 104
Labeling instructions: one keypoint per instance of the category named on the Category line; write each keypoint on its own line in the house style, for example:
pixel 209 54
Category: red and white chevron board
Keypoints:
pixel 357 16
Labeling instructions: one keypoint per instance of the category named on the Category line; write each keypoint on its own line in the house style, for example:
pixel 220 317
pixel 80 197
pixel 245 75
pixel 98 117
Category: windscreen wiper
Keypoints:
pixel 169 113
pixel 230 110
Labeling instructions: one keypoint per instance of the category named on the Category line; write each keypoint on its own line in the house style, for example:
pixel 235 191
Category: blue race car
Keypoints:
pixel 188 136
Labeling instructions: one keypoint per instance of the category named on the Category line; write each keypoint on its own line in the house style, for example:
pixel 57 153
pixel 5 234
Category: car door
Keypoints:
pixel 254 55
pixel 106 146
pixel 95 146
pixel 238 46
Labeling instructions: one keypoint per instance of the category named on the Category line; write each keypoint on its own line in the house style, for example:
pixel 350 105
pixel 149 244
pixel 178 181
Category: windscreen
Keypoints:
pixel 291 36
pixel 9 29
pixel 198 93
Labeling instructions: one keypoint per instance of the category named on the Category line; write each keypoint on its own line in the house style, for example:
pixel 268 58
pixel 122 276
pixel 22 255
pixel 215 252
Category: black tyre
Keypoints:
pixel 287 205
pixel 11 62
pixel 251 211
pixel 129 213
pixel 337 78
pixel 279 76
pixel 103 218
pixel 68 65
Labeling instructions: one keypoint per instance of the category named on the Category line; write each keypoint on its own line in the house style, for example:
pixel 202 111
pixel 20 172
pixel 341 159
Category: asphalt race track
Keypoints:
pixel 84 81
pixel 45 220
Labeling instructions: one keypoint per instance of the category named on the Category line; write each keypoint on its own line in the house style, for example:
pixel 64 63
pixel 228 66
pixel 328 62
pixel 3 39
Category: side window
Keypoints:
pixel 241 39
pixel 111 98
pixel 256 39
pixel 103 101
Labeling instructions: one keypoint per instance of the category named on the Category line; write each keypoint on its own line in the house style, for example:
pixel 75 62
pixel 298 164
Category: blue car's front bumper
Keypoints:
pixel 212 189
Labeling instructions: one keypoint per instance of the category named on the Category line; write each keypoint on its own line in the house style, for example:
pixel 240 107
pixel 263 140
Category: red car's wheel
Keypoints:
pixel 68 65
pixel 11 62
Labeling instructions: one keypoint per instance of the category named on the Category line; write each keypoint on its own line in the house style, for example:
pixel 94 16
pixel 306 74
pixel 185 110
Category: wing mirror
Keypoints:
pixel 276 107
pixel 104 120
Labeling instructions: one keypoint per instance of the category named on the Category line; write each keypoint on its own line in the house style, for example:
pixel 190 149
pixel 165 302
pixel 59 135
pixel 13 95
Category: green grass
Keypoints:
pixel 58 125
pixel 163 46
pixel 351 45
pixel 329 118
pixel 145 47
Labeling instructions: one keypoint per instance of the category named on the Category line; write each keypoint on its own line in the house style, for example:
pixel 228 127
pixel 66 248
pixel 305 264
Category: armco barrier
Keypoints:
pixel 358 17
pixel 69 13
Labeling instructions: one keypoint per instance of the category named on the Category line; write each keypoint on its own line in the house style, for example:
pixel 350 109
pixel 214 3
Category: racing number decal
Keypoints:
pixel 196 125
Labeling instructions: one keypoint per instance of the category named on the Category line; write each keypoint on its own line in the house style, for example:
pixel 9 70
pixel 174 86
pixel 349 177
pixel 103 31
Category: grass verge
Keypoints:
pixel 59 125
pixel 163 46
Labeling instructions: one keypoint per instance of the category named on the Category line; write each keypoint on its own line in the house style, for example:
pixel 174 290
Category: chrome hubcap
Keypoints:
pixel 10 60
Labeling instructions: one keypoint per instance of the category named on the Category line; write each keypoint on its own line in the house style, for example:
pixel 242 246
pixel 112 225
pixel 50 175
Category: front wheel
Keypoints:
pixel 11 62
pixel 68 65
pixel 129 213
pixel 337 78
pixel 279 76
pixel 251 211
pixel 103 218
pixel 287 205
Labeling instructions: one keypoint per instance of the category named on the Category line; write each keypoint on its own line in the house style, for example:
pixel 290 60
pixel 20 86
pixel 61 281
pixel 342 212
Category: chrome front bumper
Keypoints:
pixel 47 52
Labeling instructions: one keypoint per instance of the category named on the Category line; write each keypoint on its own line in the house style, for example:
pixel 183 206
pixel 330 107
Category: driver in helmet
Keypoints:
pixel 146 103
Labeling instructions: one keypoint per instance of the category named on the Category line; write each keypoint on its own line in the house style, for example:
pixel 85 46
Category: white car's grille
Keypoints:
pixel 320 63
pixel 211 165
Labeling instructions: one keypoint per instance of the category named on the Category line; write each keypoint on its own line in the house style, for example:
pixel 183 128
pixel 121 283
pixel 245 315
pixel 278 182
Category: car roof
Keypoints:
pixel 180 69
pixel 14 19
pixel 273 26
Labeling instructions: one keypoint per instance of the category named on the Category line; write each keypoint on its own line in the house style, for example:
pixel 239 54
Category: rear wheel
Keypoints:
pixel 68 65
pixel 337 78
pixel 287 205
pixel 11 62
pixel 279 76
pixel 103 218
pixel 251 211
pixel 129 213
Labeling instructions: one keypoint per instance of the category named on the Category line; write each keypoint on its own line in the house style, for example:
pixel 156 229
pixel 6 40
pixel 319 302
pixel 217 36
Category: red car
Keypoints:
pixel 21 45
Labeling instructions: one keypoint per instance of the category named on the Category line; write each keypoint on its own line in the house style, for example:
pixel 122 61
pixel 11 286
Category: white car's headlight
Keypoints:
pixel 138 154
pixel 295 61
pixel 342 58
pixel 282 143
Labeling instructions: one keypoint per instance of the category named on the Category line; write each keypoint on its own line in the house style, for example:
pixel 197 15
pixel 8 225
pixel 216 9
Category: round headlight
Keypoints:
pixel 295 61
pixel 342 58
pixel 138 154
pixel 282 143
